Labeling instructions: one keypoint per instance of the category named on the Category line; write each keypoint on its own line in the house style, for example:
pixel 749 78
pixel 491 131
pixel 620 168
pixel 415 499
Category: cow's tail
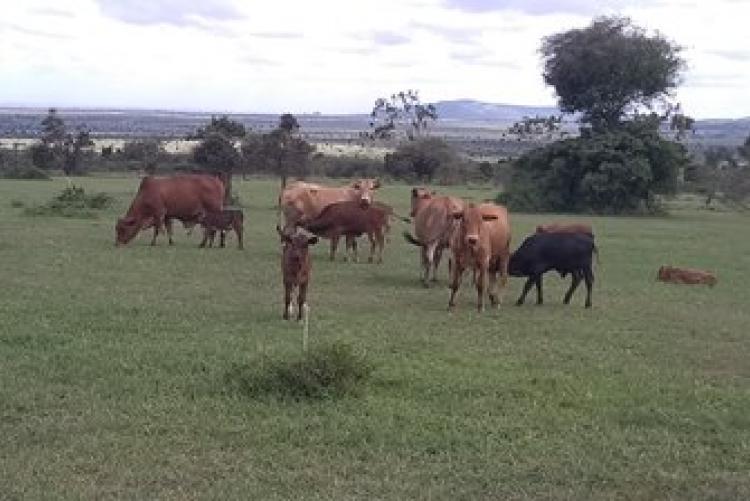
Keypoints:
pixel 409 238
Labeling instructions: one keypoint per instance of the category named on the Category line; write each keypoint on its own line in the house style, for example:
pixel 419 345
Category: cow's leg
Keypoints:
pixel 238 231
pixel 480 286
pixel 588 277
pixel 371 238
pixel 211 237
pixel 458 272
pixel 428 260
pixel 526 288
pixel 492 287
pixel 436 261
pixel 168 227
pixel 158 222
pixel 301 299
pixel 222 238
pixel 334 244
pixel 575 280
pixel 205 237
pixel 287 300
pixel 355 257
pixel 380 238
pixel 539 295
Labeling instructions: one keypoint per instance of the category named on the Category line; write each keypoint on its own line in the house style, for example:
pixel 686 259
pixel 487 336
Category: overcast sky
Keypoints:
pixel 337 56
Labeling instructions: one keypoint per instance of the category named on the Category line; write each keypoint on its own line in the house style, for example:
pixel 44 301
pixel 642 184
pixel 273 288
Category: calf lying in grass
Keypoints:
pixel 685 276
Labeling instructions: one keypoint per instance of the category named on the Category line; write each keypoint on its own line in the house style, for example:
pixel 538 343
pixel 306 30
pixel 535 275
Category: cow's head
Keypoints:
pixel 296 243
pixel 419 196
pixel 364 189
pixel 471 224
pixel 125 230
pixel 663 273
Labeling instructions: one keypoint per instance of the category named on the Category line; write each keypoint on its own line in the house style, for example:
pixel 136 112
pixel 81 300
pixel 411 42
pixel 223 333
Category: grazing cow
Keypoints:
pixel 301 201
pixel 295 268
pixel 352 220
pixel 480 242
pixel 187 197
pixel 689 276
pixel 433 224
pixel 563 252
pixel 584 228
pixel 227 220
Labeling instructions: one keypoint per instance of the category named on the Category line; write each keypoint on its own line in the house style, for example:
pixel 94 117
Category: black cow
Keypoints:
pixel 563 252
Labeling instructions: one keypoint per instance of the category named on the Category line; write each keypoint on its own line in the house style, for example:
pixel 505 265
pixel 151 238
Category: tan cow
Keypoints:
pixel 301 201
pixel 685 276
pixel 433 223
pixel 556 227
pixel 481 242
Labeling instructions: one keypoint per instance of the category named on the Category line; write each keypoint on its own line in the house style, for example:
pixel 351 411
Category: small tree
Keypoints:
pixel 216 152
pixel 280 151
pixel 421 160
pixel 147 152
pixel 610 69
pixel 58 148
pixel 402 110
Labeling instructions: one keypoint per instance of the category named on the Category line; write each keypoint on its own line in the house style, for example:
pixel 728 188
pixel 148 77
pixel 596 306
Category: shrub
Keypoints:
pixel 328 371
pixel 616 171
pixel 72 202
pixel 25 172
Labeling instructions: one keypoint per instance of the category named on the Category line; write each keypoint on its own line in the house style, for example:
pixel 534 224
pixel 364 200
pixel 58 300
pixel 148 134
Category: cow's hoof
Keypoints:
pixel 588 305
pixel 519 303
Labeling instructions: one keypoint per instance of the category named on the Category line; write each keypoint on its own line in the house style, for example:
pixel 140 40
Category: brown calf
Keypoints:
pixel 352 220
pixel 481 242
pixel 295 268
pixel 227 220
pixel 584 228
pixel 685 276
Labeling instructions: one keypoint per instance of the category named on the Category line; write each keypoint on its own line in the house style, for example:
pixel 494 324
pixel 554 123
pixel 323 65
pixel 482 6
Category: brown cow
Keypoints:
pixel 685 276
pixel 295 268
pixel 352 220
pixel 556 227
pixel 433 224
pixel 482 242
pixel 185 197
pixel 302 201
pixel 227 220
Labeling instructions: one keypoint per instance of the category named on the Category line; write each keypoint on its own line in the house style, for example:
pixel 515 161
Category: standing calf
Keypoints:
pixel 227 220
pixel 295 268
pixel 562 252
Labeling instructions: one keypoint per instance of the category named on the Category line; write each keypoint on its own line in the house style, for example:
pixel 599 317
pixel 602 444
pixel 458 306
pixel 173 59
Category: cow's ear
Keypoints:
pixel 414 192
pixel 127 221
pixel 356 185
pixel 376 184
pixel 489 217
pixel 312 240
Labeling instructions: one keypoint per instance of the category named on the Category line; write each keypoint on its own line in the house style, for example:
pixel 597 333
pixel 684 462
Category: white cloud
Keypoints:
pixel 336 55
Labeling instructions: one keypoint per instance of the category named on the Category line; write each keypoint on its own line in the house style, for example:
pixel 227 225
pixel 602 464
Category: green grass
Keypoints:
pixel 114 367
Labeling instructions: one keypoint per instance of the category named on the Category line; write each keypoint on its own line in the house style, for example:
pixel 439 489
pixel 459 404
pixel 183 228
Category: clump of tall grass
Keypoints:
pixel 72 202
pixel 327 371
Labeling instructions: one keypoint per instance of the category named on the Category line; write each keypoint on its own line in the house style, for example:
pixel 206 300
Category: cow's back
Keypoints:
pixel 498 229
pixel 434 221
pixel 304 201
pixel 187 194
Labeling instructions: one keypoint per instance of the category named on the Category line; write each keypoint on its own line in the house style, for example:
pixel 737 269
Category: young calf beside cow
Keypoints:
pixel 229 219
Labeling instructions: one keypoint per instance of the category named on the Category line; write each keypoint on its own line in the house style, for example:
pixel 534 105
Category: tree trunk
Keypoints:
pixel 226 178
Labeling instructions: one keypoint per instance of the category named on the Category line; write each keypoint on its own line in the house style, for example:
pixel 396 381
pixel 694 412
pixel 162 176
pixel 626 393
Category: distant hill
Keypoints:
pixel 471 111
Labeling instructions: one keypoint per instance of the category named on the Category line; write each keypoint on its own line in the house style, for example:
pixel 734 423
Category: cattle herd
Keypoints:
pixel 477 236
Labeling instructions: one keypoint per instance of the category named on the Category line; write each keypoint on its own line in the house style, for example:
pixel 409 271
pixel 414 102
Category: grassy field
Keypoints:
pixel 114 363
